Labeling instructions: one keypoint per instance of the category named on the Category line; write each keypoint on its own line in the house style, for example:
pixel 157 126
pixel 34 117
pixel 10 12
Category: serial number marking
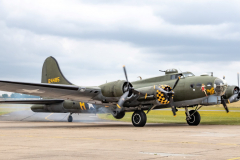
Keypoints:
pixel 54 80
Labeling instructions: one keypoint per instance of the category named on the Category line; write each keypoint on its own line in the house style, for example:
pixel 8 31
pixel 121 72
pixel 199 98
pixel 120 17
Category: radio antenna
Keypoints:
pixel 180 70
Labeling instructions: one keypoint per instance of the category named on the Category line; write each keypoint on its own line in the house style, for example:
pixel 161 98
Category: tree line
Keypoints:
pixel 18 95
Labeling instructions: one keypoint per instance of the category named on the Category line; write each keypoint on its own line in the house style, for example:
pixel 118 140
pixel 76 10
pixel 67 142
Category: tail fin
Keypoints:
pixel 51 72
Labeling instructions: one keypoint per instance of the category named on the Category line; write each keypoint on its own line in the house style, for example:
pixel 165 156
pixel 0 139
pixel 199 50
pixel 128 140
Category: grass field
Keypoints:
pixel 215 115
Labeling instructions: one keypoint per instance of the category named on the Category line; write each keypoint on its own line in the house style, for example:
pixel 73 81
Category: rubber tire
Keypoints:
pixel 70 118
pixel 143 118
pixel 195 118
pixel 119 115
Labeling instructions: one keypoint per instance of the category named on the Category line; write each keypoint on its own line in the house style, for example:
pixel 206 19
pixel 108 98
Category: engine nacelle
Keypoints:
pixel 161 97
pixel 162 94
pixel 54 108
pixel 114 89
pixel 231 90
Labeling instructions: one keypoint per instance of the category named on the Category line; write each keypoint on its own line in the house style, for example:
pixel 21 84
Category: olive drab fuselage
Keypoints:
pixel 188 88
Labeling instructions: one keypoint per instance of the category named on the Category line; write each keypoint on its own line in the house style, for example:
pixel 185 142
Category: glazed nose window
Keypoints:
pixel 219 86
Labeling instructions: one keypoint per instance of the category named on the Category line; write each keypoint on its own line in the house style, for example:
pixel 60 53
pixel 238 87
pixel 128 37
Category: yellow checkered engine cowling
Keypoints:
pixel 161 97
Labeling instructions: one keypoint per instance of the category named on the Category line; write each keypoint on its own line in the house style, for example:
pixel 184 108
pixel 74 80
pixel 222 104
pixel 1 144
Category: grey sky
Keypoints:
pixel 92 40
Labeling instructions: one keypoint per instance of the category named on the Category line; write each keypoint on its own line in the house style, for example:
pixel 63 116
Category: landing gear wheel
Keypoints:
pixel 195 118
pixel 139 118
pixel 70 118
pixel 120 115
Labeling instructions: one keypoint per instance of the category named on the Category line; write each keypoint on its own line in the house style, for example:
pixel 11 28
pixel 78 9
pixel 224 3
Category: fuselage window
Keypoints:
pixel 198 85
pixel 191 85
pixel 209 84
pixel 188 75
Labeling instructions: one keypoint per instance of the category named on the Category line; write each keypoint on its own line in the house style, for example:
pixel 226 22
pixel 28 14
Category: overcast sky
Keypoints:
pixel 92 40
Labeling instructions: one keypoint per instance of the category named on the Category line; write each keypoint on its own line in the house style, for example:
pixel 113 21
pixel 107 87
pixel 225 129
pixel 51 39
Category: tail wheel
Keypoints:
pixel 195 118
pixel 139 118
pixel 70 118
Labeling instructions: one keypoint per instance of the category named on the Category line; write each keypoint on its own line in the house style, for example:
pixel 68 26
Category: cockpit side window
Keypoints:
pixel 188 74
pixel 198 85
pixel 209 84
pixel 191 85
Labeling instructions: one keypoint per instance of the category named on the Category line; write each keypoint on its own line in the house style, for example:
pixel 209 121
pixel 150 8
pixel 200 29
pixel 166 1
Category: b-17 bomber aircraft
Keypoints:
pixel 173 90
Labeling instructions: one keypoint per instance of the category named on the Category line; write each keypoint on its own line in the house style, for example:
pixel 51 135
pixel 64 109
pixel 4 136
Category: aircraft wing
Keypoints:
pixel 38 101
pixel 58 91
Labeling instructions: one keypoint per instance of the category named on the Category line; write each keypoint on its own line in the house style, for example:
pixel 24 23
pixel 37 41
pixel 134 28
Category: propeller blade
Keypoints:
pixel 174 111
pixel 125 72
pixel 121 101
pixel 232 98
pixel 176 82
pixel 224 104
pixel 173 107
pixel 238 78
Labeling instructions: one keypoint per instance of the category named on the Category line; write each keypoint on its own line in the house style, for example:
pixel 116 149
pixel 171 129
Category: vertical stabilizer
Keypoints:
pixel 51 72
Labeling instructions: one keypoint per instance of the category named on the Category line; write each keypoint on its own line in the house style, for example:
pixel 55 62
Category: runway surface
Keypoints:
pixel 29 116
pixel 28 135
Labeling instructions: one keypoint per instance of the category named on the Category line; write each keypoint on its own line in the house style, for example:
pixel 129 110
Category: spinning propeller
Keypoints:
pixel 128 90
pixel 171 99
pixel 233 97
pixel 165 95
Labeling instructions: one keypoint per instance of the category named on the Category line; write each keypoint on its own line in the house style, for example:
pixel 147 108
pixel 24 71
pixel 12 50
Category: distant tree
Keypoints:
pixel 12 95
pixel 5 95
pixel 18 95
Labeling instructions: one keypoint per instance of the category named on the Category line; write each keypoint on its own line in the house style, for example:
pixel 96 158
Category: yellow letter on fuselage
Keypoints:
pixel 82 105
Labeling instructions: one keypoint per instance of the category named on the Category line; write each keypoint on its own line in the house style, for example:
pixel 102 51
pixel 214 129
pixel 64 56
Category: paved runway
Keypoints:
pixel 26 135
pixel 28 115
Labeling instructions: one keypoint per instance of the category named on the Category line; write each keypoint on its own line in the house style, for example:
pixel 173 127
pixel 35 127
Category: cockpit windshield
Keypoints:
pixel 188 75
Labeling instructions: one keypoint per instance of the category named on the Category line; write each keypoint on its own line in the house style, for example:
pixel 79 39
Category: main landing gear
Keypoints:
pixel 193 118
pixel 139 118
pixel 70 118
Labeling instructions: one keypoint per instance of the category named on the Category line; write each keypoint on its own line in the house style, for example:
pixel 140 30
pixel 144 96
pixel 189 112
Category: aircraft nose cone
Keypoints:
pixel 220 86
